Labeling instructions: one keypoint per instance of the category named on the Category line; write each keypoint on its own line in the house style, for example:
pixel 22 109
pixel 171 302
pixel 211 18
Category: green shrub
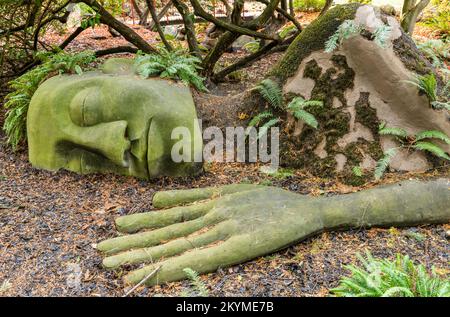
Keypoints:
pixel 23 88
pixel 384 278
pixel 176 64
pixel 309 5
pixel 360 1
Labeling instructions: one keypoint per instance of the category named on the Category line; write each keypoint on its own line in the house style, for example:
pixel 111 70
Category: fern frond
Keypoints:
pixel 383 163
pixel 256 120
pixel 296 103
pixel 265 127
pixel 432 148
pixel 382 34
pixel 271 92
pixel 426 84
pixel 399 132
pixel 432 134
pixel 356 170
pixel 314 103
pixel 440 105
pixel 176 64
pixel 305 116
pixel 347 29
pixel 24 87
pixel 196 282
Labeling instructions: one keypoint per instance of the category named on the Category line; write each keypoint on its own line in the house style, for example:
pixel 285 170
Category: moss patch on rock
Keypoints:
pixel 312 39
pixel 367 115
pixel 331 83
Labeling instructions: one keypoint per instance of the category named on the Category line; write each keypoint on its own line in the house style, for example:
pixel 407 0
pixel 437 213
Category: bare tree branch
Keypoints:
pixel 286 14
pixel 189 27
pixel 225 25
pixel 125 31
pixel 116 50
pixel 151 8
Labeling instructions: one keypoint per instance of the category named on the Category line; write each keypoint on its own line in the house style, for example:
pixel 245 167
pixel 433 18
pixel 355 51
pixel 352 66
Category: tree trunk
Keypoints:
pixel 410 13
pixel 189 27
pixel 151 8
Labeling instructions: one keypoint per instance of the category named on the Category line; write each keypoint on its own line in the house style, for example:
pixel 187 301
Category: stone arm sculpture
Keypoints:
pixel 219 227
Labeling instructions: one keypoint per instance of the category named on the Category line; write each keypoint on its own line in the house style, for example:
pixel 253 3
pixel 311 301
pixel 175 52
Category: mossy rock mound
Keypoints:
pixel 361 84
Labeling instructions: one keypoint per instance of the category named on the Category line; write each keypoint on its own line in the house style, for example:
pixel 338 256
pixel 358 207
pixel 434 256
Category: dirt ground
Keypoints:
pixel 50 223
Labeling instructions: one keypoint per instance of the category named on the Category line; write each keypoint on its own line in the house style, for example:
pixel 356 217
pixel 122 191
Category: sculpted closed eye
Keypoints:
pixel 84 110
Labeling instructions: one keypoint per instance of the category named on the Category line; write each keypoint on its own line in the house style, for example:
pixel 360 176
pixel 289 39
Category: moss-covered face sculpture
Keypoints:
pixel 110 121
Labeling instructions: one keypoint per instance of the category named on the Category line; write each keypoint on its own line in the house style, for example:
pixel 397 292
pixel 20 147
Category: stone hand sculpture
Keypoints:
pixel 232 224
pixel 110 121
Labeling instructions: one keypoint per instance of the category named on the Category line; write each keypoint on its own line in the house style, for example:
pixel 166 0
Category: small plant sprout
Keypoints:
pixel 356 170
pixel 198 287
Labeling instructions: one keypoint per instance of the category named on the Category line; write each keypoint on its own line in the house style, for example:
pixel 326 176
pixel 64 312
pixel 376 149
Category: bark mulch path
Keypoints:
pixel 50 223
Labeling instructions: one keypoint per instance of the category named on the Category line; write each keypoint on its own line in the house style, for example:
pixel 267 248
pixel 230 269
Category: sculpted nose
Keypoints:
pixel 108 139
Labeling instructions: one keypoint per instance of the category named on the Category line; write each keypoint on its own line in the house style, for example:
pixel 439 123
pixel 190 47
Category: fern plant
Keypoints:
pixel 271 92
pixel 347 29
pixel 23 88
pixel 357 171
pixel 297 106
pixel 436 50
pixel 199 288
pixel 384 278
pixel 176 64
pixel 420 142
pixel 264 120
pixel 350 28
pixel 381 35
pixel 428 85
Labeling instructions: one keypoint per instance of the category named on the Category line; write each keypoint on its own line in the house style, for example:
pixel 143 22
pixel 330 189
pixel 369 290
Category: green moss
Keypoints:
pixel 312 39
pixel 333 122
pixel 411 57
pixel 367 115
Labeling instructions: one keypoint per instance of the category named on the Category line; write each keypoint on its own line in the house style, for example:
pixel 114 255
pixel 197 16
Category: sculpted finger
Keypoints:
pixel 232 251
pixel 180 197
pixel 158 219
pixel 174 247
pixel 155 237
